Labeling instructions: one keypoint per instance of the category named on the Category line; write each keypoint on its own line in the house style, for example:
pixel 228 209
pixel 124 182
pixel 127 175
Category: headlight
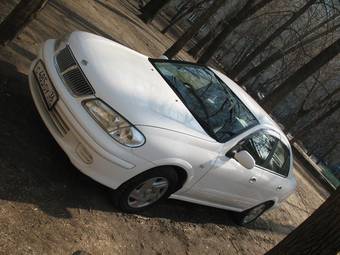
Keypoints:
pixel 114 124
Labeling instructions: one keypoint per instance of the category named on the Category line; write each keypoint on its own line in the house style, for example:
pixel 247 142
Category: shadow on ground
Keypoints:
pixel 35 170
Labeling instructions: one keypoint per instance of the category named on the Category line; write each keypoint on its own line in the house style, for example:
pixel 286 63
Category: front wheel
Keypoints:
pixel 146 189
pixel 251 214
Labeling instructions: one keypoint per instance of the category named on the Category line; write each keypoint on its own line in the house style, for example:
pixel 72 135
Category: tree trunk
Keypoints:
pixel 200 44
pixel 184 11
pixel 201 20
pixel 150 10
pixel 230 25
pixel 179 15
pixel 259 49
pixel 280 54
pixel 20 16
pixel 279 93
pixel 318 234
pixel 206 39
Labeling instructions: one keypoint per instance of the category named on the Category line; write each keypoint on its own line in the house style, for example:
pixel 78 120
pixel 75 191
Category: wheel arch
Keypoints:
pixel 182 176
pixel 182 173
pixel 182 167
pixel 270 203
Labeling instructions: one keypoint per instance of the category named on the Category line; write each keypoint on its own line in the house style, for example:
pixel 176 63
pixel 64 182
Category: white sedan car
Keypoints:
pixel 154 128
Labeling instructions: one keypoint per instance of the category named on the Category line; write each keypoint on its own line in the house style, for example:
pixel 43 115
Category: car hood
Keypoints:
pixel 128 82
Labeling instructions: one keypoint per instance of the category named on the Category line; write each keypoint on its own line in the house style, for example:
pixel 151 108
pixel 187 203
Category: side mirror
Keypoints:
pixel 245 159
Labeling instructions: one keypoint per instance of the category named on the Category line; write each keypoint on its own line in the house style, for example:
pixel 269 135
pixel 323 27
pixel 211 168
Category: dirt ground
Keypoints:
pixel 48 207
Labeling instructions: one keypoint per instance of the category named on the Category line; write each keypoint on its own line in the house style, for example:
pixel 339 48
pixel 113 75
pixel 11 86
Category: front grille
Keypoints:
pixel 65 59
pixel 72 75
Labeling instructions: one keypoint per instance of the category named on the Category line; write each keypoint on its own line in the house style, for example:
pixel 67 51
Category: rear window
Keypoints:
pixel 208 98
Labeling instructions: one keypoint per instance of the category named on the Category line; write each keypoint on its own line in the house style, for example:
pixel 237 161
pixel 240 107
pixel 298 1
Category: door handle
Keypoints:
pixel 279 188
pixel 252 180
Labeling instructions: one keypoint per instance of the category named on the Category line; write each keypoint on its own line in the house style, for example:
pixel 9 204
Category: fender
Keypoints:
pixel 180 163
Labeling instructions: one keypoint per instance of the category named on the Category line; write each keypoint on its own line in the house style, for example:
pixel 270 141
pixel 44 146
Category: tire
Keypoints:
pixel 145 190
pixel 250 215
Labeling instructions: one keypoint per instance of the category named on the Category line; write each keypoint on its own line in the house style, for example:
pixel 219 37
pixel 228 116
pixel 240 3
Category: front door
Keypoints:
pixel 230 184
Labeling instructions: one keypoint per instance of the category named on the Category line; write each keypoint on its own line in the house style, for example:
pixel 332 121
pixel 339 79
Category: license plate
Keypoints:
pixel 46 87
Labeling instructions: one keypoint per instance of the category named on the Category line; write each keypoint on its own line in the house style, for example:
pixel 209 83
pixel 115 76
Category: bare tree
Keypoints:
pixel 279 93
pixel 246 11
pixel 20 16
pixel 300 42
pixel 318 234
pixel 260 48
pixel 201 20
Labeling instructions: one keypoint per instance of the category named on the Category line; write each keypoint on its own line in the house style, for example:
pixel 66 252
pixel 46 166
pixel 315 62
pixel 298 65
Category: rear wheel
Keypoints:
pixel 146 189
pixel 251 214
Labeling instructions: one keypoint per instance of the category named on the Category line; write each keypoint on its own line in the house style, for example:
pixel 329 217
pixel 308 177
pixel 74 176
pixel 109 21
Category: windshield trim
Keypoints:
pixel 204 126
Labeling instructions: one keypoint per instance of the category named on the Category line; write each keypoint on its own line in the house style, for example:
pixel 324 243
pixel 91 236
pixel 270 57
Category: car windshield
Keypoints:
pixel 208 98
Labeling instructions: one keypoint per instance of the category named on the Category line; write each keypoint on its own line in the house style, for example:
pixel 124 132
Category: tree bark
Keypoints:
pixel 151 9
pixel 279 93
pixel 318 234
pixel 230 25
pixel 259 49
pixel 20 16
pixel 201 20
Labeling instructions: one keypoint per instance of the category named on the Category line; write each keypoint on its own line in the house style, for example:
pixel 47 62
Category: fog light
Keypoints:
pixel 83 154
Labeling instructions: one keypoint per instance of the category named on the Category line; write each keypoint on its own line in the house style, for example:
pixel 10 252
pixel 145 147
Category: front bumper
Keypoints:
pixel 88 147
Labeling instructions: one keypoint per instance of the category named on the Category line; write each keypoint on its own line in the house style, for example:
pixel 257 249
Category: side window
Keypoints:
pixel 280 161
pixel 260 145
pixel 268 152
